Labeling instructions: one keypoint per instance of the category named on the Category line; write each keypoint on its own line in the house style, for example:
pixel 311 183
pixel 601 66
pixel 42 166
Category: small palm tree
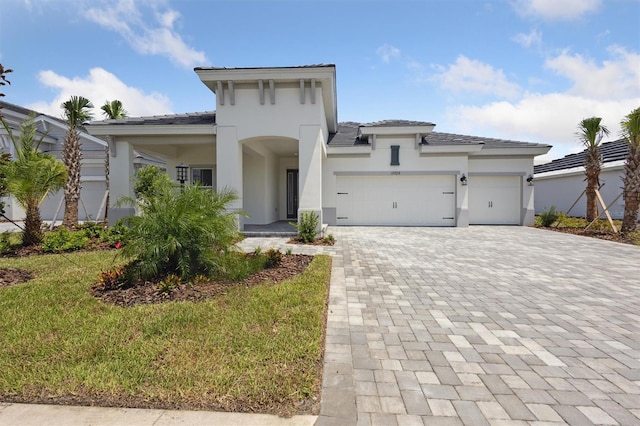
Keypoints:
pixel 76 111
pixel 113 110
pixel 631 180
pixel 30 177
pixel 590 132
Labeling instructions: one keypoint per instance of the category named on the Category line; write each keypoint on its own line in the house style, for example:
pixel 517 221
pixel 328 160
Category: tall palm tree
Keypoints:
pixel 76 111
pixel 113 110
pixel 631 180
pixel 590 132
pixel 30 177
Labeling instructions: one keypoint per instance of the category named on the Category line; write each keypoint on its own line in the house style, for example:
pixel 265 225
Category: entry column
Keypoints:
pixel 121 172
pixel 311 153
pixel 229 165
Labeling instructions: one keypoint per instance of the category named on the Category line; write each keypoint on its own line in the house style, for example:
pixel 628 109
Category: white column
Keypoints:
pixel 462 191
pixel 310 155
pixel 528 208
pixel 229 165
pixel 120 174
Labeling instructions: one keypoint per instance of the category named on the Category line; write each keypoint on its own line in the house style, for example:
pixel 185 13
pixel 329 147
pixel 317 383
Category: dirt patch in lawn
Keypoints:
pixel 11 276
pixel 148 292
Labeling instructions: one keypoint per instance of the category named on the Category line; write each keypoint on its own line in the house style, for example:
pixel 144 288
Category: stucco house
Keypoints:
pixel 560 182
pixel 92 172
pixel 274 137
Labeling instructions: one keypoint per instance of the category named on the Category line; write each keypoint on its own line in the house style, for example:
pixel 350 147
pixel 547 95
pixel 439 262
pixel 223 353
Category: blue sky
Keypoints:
pixel 516 69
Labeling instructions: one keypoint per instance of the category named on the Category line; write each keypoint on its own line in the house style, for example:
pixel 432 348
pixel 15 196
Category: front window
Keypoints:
pixel 203 176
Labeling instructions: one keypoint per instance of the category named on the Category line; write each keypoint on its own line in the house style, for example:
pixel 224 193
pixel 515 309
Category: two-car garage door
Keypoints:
pixel 402 200
pixel 426 200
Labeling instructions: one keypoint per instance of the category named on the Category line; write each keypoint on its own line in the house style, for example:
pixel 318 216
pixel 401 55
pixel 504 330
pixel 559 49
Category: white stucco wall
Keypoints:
pixel 563 189
pixel 379 161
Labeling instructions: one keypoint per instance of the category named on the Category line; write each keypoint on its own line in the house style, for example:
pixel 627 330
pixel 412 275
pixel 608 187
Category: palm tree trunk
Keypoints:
pixel 72 157
pixel 592 170
pixel 631 195
pixel 32 225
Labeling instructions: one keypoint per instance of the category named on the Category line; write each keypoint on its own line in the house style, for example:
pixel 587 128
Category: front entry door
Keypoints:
pixel 292 193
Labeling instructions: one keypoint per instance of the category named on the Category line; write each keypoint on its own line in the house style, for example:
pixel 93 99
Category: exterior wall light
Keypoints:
pixel 463 179
pixel 530 180
pixel 181 173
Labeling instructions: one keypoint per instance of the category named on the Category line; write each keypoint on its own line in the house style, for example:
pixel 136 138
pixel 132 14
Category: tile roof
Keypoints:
pixel 262 68
pixel 205 117
pixel 348 132
pixel 26 111
pixel 610 151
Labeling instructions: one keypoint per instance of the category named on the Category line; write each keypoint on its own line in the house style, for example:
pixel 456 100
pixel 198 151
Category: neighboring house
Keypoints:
pixel 92 179
pixel 276 140
pixel 560 182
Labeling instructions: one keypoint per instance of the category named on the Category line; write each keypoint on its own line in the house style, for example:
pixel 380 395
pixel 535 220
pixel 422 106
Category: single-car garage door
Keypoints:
pixel 403 200
pixel 494 200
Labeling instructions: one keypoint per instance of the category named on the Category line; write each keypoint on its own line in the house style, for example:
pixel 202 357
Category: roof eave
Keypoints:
pixel 151 129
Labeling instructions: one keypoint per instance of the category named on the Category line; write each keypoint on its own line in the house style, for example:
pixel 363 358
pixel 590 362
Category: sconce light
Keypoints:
pixel 463 179
pixel 181 173
pixel 530 180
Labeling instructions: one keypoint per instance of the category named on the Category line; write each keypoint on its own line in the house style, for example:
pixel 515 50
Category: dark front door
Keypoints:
pixel 292 194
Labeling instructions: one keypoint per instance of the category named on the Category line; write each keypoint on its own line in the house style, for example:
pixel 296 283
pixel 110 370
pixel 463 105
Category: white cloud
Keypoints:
pixel 99 86
pixel 469 75
pixel 386 52
pixel 556 9
pixel 616 78
pixel 534 38
pixel 609 90
pixel 155 38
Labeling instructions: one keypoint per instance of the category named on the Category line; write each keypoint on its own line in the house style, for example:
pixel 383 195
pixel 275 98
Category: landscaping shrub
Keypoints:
pixel 116 235
pixel 307 226
pixel 183 231
pixel 273 258
pixel 64 240
pixel 548 217
pixel 5 243
pixel 92 229
pixel 329 239
pixel 112 279
pixel 167 285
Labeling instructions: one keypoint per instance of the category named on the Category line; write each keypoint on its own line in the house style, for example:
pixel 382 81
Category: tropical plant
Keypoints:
pixel 76 111
pixel 307 226
pixel 590 132
pixel 549 217
pixel 631 179
pixel 3 77
pixel 30 177
pixel 149 182
pixel 183 232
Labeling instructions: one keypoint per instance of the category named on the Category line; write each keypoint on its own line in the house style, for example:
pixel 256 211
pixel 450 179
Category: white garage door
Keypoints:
pixel 494 200
pixel 403 200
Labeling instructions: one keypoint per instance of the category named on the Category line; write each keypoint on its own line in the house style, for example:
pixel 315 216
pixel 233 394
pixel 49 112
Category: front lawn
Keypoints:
pixel 256 349
pixel 600 229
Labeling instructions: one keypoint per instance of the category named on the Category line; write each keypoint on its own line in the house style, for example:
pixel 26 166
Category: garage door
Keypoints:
pixel 406 200
pixel 494 200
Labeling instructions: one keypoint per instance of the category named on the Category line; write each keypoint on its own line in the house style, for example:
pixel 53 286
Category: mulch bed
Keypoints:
pixel 317 242
pixel 11 276
pixel 147 292
pixel 595 233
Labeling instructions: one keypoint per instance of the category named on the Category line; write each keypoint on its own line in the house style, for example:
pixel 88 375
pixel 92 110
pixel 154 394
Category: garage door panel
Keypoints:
pixel 494 200
pixel 396 200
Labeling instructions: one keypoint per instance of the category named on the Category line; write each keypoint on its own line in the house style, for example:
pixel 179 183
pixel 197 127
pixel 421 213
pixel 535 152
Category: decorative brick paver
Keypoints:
pixel 479 325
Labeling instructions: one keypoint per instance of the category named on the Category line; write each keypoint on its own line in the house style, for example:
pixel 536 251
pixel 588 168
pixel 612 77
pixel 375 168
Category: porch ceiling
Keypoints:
pixel 279 147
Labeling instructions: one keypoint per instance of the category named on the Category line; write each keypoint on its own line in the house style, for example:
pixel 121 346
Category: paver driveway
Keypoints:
pixel 481 325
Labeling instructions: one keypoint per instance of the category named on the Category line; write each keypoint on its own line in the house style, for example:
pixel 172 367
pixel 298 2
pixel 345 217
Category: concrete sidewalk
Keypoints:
pixel 36 415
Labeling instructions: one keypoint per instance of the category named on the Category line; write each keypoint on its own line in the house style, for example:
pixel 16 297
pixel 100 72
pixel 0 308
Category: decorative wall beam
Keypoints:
pixel 261 91
pixel 220 92
pixel 232 93
pixel 313 90
pixel 418 140
pixel 112 146
pixel 302 95
pixel 373 142
pixel 272 91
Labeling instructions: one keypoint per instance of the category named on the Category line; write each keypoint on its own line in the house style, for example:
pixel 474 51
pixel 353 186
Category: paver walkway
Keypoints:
pixel 483 325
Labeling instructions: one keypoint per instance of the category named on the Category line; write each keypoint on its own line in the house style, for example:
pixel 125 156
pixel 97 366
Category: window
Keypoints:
pixel 203 176
pixel 395 155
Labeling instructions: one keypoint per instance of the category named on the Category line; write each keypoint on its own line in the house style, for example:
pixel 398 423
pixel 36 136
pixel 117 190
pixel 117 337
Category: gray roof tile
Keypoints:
pixel 439 138
pixel 262 68
pixel 206 117
pixel 610 151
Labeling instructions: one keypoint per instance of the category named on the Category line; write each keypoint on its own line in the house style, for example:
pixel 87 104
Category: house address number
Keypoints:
pixel 395 173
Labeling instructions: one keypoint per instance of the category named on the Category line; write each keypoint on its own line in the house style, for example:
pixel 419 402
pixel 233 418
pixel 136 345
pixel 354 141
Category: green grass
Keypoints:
pixel 257 349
